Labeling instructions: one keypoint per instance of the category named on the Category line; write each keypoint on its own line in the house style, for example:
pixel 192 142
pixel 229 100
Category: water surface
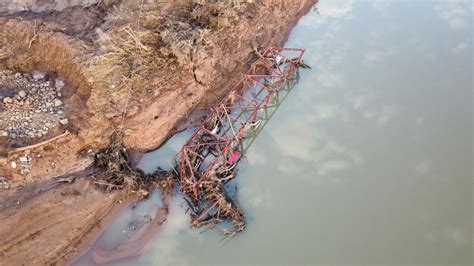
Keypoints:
pixel 164 156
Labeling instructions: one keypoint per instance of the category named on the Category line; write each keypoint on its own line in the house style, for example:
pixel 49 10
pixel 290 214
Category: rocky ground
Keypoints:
pixel 31 104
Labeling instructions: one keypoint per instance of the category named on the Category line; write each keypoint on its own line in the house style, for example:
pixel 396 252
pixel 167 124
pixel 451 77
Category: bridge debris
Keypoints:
pixel 209 158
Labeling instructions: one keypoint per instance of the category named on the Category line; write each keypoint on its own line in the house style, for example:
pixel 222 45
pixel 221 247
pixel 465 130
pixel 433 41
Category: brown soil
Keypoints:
pixel 141 69
pixel 49 227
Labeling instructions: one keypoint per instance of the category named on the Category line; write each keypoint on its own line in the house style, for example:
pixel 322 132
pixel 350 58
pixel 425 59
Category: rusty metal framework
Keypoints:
pixel 220 142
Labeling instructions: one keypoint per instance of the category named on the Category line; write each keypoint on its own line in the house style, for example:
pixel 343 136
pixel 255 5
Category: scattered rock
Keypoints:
pixel 22 94
pixel 4 183
pixel 64 121
pixel 58 103
pixel 58 84
pixel 13 164
pixel 37 75
pixel 7 100
pixel 25 170
pixel 24 159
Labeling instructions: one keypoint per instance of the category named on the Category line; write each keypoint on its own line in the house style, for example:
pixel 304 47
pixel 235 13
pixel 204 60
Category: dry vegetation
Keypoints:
pixel 116 172
pixel 133 51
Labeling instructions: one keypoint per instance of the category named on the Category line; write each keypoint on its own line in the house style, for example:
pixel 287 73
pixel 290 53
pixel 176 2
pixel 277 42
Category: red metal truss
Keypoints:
pixel 219 140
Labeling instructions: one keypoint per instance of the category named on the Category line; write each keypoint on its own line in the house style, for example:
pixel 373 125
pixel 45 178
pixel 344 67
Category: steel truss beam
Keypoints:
pixel 233 124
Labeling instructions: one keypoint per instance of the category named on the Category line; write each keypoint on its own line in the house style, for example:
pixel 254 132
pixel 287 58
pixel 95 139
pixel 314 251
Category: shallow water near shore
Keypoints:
pixel 369 159
pixel 164 156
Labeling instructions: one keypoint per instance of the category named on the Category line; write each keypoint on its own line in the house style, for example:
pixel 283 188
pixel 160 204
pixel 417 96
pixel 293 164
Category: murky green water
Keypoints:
pixel 369 160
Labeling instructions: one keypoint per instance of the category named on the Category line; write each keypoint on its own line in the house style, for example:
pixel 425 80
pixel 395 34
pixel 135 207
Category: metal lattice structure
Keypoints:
pixel 220 142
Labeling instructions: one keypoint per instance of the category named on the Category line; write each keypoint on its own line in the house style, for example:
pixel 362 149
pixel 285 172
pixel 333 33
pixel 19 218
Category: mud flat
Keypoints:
pixel 138 67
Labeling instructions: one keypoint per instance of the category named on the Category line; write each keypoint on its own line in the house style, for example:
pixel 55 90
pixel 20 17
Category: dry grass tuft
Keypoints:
pixel 129 54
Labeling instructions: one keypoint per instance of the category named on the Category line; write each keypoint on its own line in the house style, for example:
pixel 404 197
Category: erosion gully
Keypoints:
pixel 369 160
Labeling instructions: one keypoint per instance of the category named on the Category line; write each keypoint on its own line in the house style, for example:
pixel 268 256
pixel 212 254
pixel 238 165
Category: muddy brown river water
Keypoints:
pixel 368 161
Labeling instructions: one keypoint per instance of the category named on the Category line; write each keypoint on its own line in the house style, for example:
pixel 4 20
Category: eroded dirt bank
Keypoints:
pixel 138 67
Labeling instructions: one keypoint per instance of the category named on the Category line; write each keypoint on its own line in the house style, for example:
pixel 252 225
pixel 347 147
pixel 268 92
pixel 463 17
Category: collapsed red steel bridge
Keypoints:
pixel 220 142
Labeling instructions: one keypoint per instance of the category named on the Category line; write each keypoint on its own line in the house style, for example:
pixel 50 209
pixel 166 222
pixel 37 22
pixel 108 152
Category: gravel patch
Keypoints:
pixel 30 105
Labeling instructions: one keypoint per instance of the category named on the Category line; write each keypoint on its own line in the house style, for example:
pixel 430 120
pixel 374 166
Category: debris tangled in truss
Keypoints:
pixel 208 160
